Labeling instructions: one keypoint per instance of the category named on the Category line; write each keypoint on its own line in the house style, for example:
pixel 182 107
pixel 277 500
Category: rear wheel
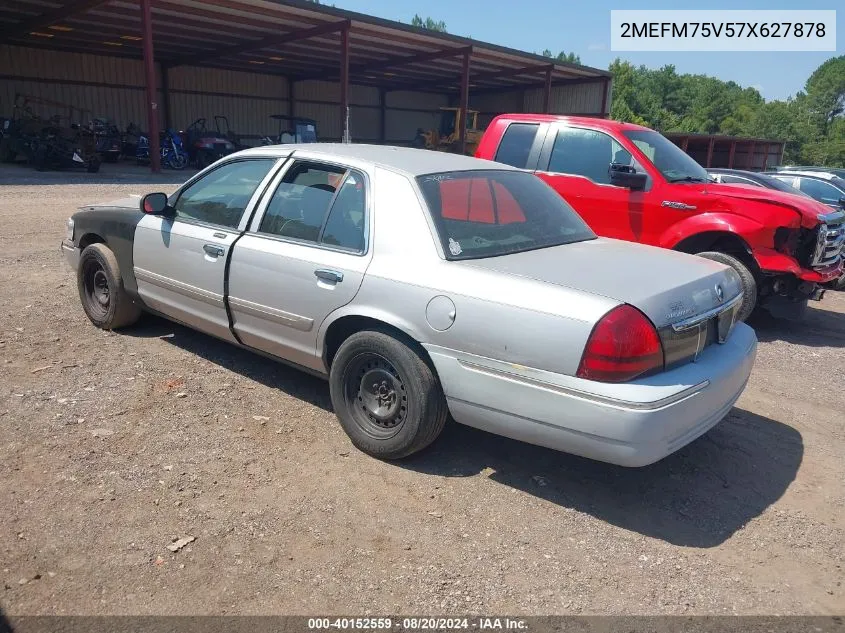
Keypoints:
pixel 388 399
pixel 746 278
pixel 101 291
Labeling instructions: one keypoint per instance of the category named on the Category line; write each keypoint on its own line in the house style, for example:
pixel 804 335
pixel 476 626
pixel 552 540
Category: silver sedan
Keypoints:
pixel 424 285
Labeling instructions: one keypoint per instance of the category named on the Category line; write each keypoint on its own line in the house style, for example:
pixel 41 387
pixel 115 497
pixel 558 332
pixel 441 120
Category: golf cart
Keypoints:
pixel 292 129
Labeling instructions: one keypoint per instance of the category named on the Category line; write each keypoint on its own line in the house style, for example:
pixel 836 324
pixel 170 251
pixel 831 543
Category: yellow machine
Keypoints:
pixel 447 138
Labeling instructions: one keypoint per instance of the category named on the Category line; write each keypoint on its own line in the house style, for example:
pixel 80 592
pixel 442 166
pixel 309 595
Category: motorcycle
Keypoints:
pixel 173 154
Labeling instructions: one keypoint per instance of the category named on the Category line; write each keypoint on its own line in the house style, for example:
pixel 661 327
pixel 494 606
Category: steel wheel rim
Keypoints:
pixel 375 395
pixel 95 284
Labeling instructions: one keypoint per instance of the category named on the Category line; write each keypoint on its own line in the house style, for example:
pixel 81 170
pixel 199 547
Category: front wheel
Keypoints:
pixel 177 160
pixel 101 290
pixel 747 281
pixel 388 399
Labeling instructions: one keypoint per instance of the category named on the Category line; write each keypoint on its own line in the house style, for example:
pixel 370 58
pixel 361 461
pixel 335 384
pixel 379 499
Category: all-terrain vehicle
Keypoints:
pixel 205 147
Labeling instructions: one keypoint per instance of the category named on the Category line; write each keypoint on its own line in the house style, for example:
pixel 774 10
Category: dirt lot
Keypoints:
pixel 114 445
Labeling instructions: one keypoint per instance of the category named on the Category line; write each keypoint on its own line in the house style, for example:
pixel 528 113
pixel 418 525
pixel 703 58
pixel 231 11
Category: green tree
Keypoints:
pixel 826 92
pixel 428 23
pixel 563 56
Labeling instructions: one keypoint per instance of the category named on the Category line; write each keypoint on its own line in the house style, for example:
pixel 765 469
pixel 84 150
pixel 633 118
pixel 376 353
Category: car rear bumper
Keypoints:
pixel 630 424
pixel 71 253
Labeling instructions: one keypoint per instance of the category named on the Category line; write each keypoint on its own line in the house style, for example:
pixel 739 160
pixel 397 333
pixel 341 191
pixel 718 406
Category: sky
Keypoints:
pixel 583 27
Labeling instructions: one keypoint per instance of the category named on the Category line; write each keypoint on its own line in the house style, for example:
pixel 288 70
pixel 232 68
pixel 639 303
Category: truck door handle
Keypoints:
pixel 213 250
pixel 331 276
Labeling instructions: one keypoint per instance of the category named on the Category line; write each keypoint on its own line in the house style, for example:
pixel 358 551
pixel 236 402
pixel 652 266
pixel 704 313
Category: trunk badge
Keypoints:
pixel 720 294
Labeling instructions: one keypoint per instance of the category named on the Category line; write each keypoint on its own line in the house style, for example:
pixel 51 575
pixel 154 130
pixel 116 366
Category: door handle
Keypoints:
pixel 213 250
pixel 331 276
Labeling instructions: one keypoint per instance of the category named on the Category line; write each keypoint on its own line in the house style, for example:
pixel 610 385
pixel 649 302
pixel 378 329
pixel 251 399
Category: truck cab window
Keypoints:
pixel 588 153
pixel 516 144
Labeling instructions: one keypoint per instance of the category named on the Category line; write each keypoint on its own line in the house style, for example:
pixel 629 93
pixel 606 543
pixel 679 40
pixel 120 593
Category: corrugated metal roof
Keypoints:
pixel 297 39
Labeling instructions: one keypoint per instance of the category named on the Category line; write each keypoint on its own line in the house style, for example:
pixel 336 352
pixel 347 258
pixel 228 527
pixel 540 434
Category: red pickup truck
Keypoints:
pixel 631 183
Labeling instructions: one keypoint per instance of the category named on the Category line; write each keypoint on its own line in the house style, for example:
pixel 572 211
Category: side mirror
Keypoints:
pixel 626 176
pixel 156 204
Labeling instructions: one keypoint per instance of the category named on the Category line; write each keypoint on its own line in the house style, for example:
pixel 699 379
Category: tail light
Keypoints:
pixel 624 344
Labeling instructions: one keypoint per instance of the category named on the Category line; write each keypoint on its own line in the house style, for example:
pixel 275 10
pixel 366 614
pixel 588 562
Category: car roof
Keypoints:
pixel 407 160
pixel 818 175
pixel 736 172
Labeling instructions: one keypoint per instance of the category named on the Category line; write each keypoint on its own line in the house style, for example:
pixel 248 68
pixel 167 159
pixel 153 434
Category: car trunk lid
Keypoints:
pixel 667 286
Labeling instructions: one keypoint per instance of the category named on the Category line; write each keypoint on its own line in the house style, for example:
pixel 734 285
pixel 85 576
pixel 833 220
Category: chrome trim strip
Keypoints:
pixel 698 319
pixel 206 296
pixel 624 404
pixel 297 322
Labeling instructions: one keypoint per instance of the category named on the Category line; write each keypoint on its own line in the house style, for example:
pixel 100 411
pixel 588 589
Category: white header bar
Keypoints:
pixel 723 30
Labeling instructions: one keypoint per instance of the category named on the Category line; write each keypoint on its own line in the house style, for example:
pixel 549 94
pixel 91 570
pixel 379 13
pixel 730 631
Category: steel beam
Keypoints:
pixel 344 85
pixel 51 17
pixel 605 90
pixel 710 152
pixel 542 84
pixel 165 96
pixel 462 134
pixel 731 154
pixel 152 88
pixel 264 42
pixel 547 92
pixel 396 60
pixel 382 123
pixel 493 74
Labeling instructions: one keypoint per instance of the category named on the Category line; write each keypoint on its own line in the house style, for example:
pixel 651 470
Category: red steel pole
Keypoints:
pixel 152 88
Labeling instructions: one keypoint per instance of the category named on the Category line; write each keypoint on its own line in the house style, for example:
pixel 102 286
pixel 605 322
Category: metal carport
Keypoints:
pixel 303 44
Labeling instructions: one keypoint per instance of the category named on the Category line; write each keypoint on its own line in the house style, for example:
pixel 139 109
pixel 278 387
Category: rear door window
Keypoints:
pixel 319 203
pixel 821 191
pixel 516 144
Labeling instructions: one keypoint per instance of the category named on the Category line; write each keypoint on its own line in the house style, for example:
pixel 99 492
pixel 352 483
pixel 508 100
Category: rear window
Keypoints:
pixel 516 144
pixel 490 212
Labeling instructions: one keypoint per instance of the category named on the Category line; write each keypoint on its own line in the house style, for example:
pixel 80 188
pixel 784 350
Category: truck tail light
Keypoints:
pixel 624 344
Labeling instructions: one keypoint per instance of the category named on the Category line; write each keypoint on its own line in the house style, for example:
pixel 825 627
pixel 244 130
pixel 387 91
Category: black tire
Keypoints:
pixel 40 159
pixel 746 278
pixel 7 154
pixel 101 291
pixel 203 159
pixel 93 165
pixel 389 401
pixel 839 284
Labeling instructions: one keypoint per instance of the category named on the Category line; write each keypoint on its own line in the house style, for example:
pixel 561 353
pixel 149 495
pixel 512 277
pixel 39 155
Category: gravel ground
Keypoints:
pixel 114 445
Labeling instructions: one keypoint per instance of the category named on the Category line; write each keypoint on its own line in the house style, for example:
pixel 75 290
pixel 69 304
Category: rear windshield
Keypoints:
pixel 491 212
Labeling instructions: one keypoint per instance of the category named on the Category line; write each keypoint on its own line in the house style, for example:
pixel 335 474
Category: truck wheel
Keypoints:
pixel 388 400
pixel 93 165
pixel 746 278
pixel 101 290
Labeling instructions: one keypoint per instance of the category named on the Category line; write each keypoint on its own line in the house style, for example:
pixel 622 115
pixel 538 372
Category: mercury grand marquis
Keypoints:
pixel 425 285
